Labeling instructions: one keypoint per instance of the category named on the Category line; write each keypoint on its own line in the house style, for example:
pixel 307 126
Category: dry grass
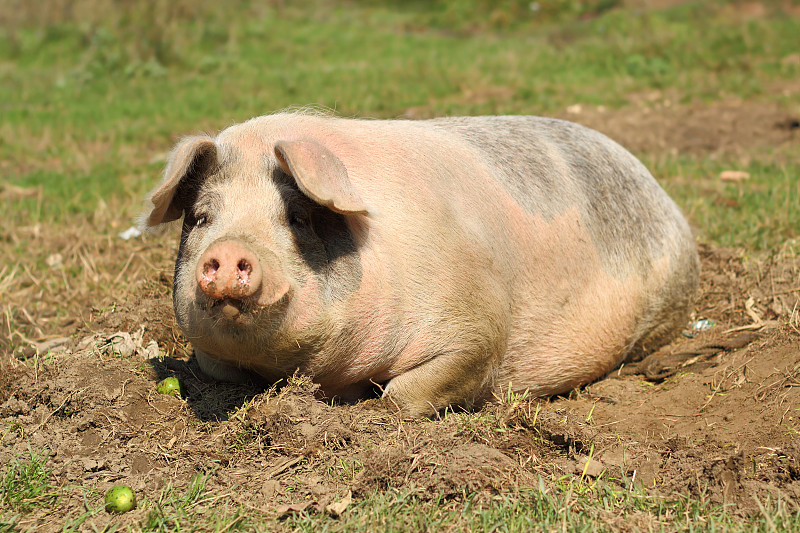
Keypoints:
pixel 57 278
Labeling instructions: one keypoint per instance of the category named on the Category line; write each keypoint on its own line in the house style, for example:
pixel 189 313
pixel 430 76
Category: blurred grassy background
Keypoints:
pixel 94 92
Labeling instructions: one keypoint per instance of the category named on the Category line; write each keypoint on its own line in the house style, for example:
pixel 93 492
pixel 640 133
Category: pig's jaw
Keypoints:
pixel 231 314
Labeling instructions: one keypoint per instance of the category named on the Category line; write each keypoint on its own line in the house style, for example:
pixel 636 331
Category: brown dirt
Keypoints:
pixel 656 124
pixel 717 415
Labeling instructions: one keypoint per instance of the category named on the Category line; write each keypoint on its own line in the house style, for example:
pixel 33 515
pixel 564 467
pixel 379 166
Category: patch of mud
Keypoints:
pixel 717 414
pixel 735 128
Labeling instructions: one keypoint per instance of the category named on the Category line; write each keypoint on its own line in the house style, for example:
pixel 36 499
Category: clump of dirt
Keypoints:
pixel 715 411
pixel 6 379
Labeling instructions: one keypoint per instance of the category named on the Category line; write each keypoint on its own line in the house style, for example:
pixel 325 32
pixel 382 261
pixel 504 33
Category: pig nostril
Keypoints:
pixel 211 266
pixel 244 266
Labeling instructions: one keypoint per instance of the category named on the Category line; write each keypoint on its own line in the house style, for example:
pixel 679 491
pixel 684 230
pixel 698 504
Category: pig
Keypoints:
pixel 444 261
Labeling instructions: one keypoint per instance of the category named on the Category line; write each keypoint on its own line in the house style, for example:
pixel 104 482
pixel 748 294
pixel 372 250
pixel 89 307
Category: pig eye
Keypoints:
pixel 200 220
pixel 298 219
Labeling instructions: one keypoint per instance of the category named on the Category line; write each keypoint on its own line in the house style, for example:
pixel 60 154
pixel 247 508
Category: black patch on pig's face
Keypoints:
pixel 322 239
pixel 204 165
pixel 343 272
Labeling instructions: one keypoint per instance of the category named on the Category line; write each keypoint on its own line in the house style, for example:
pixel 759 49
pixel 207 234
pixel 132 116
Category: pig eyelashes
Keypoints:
pixel 199 220
pixel 301 226
pixel 299 219
pixel 199 213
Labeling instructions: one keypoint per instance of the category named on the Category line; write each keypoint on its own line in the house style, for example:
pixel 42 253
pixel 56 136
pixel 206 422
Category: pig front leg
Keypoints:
pixel 216 369
pixel 451 379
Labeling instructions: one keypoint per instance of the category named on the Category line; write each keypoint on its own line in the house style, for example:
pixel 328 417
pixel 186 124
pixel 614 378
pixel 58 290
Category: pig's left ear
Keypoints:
pixel 190 159
pixel 320 175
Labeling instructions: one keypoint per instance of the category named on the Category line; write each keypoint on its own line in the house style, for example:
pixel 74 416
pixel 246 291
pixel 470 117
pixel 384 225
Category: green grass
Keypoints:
pixel 760 212
pixel 91 106
pixel 174 510
pixel 25 483
pixel 574 507
pixel 572 504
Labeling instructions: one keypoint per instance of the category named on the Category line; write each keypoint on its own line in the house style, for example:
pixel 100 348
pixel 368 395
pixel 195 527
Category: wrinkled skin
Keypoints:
pixel 441 260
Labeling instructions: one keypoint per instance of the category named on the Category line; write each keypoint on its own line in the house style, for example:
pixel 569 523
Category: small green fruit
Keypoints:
pixel 170 386
pixel 120 499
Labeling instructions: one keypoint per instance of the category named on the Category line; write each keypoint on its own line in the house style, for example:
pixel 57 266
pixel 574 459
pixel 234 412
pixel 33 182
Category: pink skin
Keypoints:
pixel 461 290
pixel 373 307
pixel 230 271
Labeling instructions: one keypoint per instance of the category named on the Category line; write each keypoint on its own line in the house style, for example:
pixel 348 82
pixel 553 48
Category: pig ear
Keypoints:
pixel 190 157
pixel 320 175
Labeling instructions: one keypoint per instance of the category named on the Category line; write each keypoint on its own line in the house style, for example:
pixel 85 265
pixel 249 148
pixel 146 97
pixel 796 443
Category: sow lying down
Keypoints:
pixel 442 259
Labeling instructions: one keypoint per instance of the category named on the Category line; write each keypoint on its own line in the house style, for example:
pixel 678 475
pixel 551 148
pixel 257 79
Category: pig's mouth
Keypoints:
pixel 239 313
pixel 231 309
pixel 233 312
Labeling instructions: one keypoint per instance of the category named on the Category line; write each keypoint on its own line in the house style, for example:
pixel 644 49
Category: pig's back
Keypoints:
pixel 549 166
pixel 607 265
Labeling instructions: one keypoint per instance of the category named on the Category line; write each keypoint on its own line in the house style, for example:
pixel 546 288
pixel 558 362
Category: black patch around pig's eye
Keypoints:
pixel 323 240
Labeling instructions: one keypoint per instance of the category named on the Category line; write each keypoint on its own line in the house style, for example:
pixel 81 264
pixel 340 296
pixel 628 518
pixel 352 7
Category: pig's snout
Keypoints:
pixel 229 269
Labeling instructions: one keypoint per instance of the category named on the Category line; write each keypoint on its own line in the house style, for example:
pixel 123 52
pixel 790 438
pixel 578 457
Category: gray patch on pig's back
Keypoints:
pixel 549 165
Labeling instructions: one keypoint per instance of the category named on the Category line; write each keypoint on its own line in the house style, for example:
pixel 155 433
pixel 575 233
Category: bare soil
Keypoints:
pixel 656 124
pixel 715 412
